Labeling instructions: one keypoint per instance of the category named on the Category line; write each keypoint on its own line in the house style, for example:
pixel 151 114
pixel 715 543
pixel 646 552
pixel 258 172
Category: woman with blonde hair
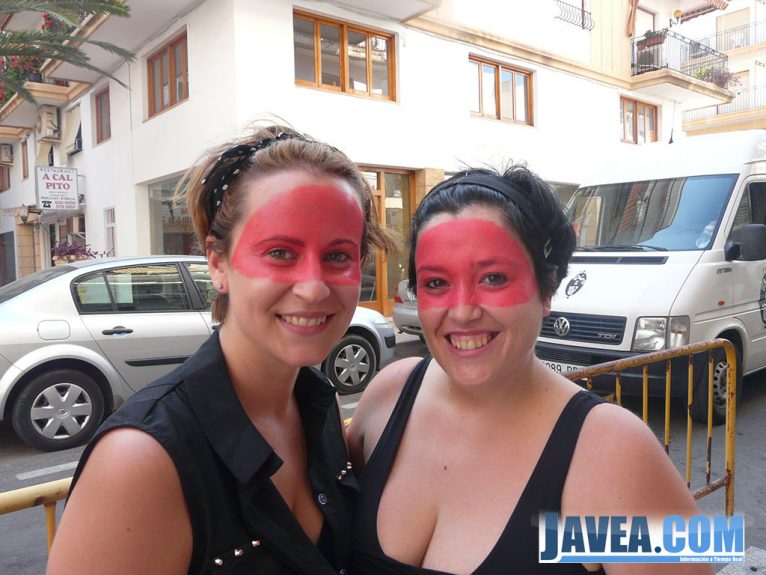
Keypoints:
pixel 235 462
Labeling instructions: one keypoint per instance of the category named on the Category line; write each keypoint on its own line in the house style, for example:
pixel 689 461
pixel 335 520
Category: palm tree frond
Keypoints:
pixel 54 43
pixel 71 11
pixel 126 55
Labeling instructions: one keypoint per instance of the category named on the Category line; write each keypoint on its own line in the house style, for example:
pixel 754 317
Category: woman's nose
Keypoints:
pixel 463 306
pixel 310 284
pixel 312 290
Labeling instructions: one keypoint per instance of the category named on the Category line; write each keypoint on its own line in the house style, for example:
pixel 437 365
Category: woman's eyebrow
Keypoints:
pixel 429 268
pixel 341 241
pixel 281 238
pixel 496 261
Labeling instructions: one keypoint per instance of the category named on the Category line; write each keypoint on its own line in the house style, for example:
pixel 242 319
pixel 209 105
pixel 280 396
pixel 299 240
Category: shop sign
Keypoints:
pixel 57 188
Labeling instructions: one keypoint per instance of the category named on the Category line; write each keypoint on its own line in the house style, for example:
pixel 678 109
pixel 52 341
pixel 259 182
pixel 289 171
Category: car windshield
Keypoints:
pixel 655 215
pixel 26 283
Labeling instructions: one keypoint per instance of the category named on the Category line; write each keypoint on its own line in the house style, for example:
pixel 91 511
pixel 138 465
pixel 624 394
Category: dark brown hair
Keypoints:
pixel 540 222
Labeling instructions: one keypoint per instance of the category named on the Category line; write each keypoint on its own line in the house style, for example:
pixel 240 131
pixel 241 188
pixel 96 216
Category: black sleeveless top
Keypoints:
pixel 516 551
pixel 240 522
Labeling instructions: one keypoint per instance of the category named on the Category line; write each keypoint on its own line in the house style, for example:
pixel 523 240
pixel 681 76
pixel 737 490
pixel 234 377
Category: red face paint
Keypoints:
pixel 308 233
pixel 471 262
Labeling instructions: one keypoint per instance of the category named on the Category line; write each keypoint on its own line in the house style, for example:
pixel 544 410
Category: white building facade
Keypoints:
pixel 410 92
pixel 740 33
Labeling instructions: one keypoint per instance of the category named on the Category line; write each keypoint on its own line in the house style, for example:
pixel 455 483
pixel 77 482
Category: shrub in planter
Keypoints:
pixel 71 251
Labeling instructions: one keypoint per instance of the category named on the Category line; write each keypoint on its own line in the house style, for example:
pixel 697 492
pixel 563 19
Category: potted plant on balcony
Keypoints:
pixel 66 252
pixel 722 78
pixel 651 38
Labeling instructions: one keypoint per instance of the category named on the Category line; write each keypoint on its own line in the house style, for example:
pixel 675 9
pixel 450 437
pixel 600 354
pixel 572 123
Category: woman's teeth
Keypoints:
pixel 469 343
pixel 304 321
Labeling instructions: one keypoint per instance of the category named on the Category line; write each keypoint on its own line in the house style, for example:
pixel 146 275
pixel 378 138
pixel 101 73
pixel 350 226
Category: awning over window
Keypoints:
pixel 71 127
pixel 43 150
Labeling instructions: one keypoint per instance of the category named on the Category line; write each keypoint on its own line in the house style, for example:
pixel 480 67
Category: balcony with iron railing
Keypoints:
pixel 667 49
pixel 739 37
pixel 746 100
pixel 575 15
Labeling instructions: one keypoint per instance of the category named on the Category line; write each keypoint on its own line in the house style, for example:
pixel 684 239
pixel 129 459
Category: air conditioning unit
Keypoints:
pixel 6 154
pixel 75 147
pixel 47 126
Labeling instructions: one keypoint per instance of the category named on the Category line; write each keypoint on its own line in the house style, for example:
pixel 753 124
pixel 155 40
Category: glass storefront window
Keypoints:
pixel 369 292
pixel 398 219
pixel 171 226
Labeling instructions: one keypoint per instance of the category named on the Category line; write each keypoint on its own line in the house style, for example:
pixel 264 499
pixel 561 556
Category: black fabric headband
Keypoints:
pixel 501 186
pixel 240 154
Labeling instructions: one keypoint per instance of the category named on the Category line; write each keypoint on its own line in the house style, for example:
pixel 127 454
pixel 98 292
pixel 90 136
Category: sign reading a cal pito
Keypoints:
pixel 57 188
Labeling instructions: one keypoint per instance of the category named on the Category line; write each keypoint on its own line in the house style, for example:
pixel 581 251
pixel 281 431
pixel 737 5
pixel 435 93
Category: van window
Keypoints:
pixel 671 214
pixel 751 209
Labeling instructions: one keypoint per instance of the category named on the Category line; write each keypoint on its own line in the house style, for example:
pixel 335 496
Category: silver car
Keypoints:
pixel 405 314
pixel 78 339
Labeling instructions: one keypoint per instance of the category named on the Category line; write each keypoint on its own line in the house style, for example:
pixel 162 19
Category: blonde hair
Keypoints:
pixel 294 151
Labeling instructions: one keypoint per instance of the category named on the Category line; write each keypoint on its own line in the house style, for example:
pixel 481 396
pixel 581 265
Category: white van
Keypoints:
pixel 671 249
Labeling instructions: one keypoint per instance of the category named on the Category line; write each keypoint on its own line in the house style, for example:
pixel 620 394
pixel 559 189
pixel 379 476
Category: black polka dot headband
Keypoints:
pixel 225 171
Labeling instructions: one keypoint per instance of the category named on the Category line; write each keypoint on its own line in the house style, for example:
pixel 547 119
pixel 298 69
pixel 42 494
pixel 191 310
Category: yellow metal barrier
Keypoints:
pixel 619 366
pixel 45 494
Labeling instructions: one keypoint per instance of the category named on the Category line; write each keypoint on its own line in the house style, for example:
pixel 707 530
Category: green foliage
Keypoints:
pixel 721 77
pixel 22 52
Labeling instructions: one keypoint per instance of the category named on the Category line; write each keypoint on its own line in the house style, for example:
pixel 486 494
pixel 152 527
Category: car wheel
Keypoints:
pixel 699 401
pixel 350 364
pixel 58 410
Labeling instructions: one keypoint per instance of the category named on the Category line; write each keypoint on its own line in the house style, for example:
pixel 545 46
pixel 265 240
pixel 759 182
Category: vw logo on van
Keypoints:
pixel 561 326
pixel 575 284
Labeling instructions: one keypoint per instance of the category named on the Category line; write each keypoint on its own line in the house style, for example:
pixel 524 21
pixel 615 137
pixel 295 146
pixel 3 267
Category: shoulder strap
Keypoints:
pixel 382 458
pixel 548 478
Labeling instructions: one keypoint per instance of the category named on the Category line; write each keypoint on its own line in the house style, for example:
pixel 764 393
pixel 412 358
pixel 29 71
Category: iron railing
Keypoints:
pixel 739 37
pixel 574 15
pixel 748 99
pixel 668 49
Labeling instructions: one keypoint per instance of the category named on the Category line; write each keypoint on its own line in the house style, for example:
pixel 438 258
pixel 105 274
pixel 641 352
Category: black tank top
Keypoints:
pixel 516 551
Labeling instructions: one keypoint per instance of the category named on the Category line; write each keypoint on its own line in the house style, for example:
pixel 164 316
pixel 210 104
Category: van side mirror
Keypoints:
pixel 748 244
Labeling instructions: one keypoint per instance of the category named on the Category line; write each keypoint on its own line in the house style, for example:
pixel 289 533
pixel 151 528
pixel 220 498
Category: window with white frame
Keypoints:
pixel 109 228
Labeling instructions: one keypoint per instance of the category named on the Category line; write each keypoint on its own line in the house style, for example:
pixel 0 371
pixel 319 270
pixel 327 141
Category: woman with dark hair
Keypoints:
pixel 235 462
pixel 460 453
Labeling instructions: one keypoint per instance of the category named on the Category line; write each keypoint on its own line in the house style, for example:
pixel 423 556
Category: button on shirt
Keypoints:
pixel 240 523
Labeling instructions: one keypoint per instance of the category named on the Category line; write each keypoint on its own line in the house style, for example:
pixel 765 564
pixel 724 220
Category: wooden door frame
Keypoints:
pixel 385 301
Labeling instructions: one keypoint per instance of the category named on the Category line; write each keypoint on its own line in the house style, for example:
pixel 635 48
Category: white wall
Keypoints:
pixel 22 191
pixel 142 150
pixel 511 19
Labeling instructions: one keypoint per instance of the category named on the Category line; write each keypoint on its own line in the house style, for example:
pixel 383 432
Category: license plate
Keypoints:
pixel 561 367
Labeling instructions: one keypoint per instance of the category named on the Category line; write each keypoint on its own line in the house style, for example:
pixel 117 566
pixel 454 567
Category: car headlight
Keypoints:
pixel 653 334
pixel 650 333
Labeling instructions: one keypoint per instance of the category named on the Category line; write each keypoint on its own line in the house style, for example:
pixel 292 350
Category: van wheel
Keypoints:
pixel 699 401
pixel 58 410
